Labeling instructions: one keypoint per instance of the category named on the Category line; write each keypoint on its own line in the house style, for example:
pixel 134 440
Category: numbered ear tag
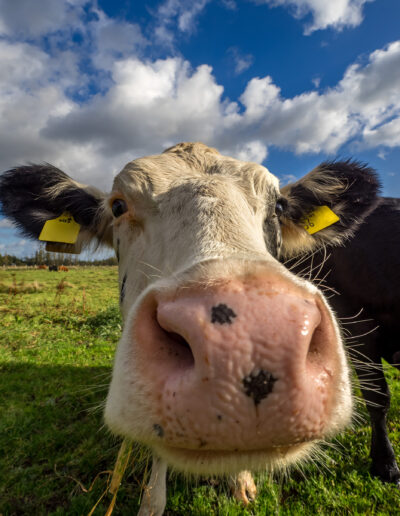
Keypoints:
pixel 63 229
pixel 318 219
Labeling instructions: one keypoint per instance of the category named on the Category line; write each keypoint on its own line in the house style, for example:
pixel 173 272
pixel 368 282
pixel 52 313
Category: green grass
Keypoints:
pixel 56 352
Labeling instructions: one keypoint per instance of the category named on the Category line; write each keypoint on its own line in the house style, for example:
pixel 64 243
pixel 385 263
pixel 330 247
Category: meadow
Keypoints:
pixel 58 333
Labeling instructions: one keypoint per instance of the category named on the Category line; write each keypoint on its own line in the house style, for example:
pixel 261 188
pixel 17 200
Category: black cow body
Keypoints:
pixel 365 273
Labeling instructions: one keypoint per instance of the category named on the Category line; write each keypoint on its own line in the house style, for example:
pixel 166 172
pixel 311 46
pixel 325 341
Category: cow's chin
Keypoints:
pixel 220 463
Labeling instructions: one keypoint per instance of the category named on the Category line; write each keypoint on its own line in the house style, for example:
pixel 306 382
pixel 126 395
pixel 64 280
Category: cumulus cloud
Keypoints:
pixel 251 151
pixel 39 82
pixel 387 134
pixel 366 97
pixel 77 34
pixel 145 105
pixel 34 19
pixel 177 14
pixel 325 13
pixel 112 39
pixel 151 105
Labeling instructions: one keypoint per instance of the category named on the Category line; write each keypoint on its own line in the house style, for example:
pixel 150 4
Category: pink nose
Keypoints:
pixel 242 365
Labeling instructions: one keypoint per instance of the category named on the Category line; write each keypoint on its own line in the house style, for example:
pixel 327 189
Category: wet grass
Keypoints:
pixel 57 343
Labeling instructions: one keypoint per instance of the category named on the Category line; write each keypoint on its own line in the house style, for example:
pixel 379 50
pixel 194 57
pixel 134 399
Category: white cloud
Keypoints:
pixel 35 18
pixel 374 88
pixel 259 96
pixel 113 39
pixel 147 105
pixel 77 30
pixel 316 81
pixel 241 61
pixel 312 122
pixel 177 14
pixel 251 151
pixel 285 179
pixel 325 13
pixel 5 223
pixel 20 248
pixel 152 104
pixel 387 134
pixel 37 84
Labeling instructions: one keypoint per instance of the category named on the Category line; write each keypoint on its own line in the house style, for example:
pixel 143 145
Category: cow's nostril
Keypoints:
pixel 317 349
pixel 177 346
pixel 178 339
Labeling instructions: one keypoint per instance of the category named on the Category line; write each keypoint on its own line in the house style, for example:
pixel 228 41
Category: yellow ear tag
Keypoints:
pixel 319 218
pixel 62 229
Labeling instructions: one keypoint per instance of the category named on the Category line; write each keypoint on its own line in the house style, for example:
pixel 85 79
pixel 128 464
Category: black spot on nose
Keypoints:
pixel 159 430
pixel 222 314
pixel 258 385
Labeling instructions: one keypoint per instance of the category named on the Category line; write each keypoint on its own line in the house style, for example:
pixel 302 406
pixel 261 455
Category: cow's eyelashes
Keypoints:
pixel 118 207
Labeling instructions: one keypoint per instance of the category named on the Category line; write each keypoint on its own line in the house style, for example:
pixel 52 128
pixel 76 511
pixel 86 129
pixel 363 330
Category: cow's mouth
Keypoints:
pixel 217 462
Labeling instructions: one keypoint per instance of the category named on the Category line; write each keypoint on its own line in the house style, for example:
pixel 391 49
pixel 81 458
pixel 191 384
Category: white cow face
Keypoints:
pixel 227 361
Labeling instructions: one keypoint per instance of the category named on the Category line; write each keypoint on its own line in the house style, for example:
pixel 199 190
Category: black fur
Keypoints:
pixel 25 201
pixel 361 187
pixel 366 274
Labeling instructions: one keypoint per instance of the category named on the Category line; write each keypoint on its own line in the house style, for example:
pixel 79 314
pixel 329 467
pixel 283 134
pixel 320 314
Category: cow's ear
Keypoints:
pixel 31 195
pixel 349 189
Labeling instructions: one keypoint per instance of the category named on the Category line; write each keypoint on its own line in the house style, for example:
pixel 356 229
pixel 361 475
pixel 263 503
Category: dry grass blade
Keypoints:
pixel 120 465
pixel 119 470
pixel 117 474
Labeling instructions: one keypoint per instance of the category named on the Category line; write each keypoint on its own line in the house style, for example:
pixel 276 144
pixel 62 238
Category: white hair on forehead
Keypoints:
pixel 191 161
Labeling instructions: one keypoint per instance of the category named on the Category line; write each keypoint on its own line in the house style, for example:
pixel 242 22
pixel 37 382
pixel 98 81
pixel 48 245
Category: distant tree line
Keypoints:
pixel 42 257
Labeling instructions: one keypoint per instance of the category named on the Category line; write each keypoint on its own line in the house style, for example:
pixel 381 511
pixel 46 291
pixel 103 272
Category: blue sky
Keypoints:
pixel 89 85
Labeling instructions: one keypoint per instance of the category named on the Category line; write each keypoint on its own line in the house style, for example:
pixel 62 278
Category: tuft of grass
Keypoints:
pixel 20 288
pixel 56 457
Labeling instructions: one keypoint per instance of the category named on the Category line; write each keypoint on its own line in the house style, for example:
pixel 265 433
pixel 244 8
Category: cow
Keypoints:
pixel 228 362
pixel 364 281
pixel 53 268
pixel 42 267
pixel 63 268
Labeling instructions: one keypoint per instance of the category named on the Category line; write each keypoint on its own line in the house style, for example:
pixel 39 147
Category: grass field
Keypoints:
pixel 58 334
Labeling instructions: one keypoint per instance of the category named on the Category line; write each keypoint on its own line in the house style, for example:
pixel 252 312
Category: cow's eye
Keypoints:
pixel 280 207
pixel 118 207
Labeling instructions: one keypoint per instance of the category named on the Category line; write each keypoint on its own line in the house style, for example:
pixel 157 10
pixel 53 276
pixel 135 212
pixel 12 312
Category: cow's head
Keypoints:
pixel 227 360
